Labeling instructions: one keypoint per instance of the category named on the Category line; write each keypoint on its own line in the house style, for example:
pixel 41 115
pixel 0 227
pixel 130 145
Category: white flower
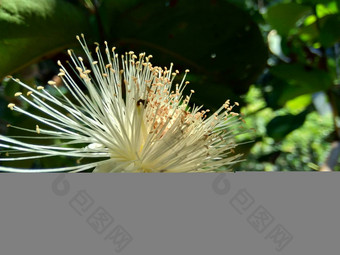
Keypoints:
pixel 131 119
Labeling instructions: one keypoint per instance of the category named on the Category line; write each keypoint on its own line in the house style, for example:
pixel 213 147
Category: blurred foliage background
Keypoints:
pixel 279 59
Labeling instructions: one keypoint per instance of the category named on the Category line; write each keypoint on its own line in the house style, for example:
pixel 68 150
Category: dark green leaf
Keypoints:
pixel 30 29
pixel 300 80
pixel 283 16
pixel 212 38
pixel 329 30
pixel 281 126
pixel 209 93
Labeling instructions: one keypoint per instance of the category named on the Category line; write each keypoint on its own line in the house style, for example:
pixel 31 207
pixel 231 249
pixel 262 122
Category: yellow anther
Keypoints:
pixel 83 76
pixel 17 94
pixel 51 82
pixel 11 106
pixel 37 129
pixel 29 93
pixel 40 87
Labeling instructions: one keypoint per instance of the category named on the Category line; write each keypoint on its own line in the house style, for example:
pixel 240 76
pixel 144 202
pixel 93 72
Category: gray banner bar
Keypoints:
pixel 170 214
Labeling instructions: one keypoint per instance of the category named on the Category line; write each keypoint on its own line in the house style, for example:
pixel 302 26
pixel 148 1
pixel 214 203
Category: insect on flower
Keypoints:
pixel 130 118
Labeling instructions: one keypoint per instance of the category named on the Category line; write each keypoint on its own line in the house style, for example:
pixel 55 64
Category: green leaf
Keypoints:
pixel 315 2
pixel 211 38
pixel 208 93
pixel 309 33
pixel 324 10
pixel 329 30
pixel 299 103
pixel 300 80
pixel 283 16
pixel 281 126
pixel 31 29
pixel 272 88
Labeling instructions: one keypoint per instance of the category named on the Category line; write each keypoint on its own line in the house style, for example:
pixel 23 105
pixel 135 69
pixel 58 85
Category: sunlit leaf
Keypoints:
pixel 31 29
pixel 299 103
